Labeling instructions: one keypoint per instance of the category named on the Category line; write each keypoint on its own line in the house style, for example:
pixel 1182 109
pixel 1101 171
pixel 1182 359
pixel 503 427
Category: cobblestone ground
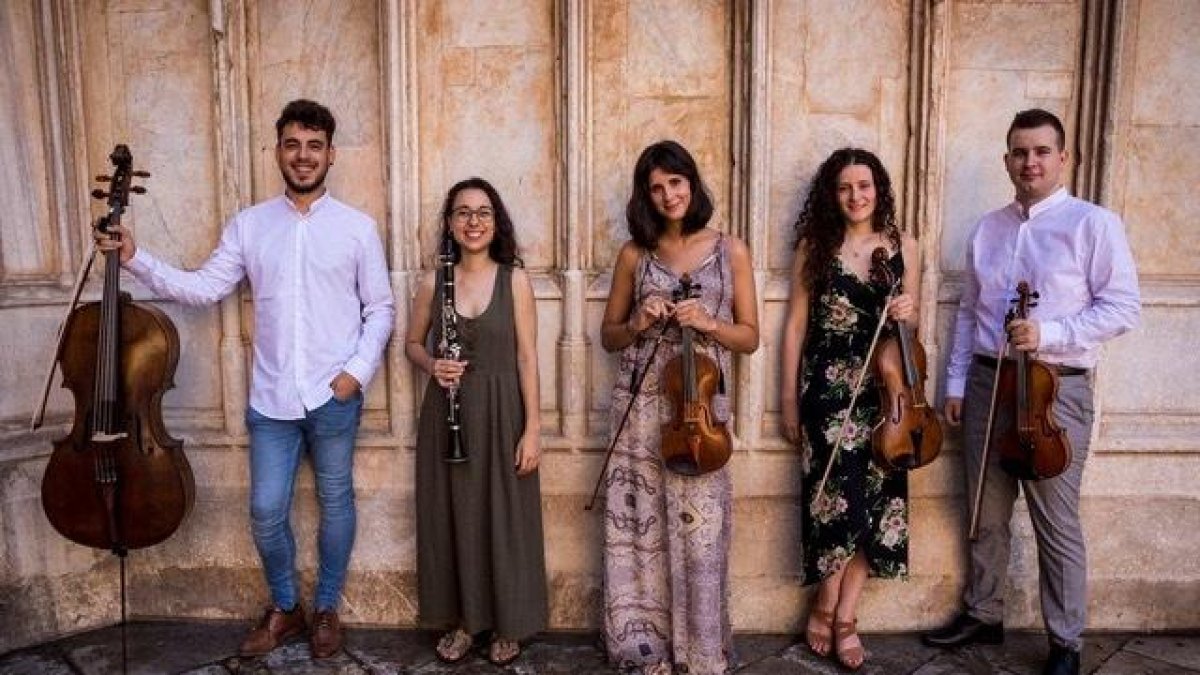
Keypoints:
pixel 202 648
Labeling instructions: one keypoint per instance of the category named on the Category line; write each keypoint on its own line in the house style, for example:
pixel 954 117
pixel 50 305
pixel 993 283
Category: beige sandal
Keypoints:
pixel 503 652
pixel 454 646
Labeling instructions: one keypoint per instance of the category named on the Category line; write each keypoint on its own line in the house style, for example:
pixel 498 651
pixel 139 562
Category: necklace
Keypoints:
pixel 856 249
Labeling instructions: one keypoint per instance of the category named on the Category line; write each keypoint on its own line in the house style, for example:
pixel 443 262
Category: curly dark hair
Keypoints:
pixel 820 229
pixel 308 114
pixel 645 223
pixel 503 248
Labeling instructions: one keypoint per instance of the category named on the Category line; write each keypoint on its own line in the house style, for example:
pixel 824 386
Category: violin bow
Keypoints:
pixel 80 278
pixel 878 262
pixel 1001 354
pixel 862 376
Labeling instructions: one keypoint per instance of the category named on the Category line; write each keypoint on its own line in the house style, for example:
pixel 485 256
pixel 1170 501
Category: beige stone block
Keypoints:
pixel 999 36
pixel 53 606
pixel 937 529
pixel 757 473
pixel 509 141
pixel 982 104
pixel 27 232
pixel 576 601
pixel 26 334
pixel 458 66
pixel 609 38
pixel 510 23
pixel 766 538
pixel 1154 346
pixel 1049 85
pixel 757 601
pixel 162 108
pixel 1164 475
pixel 1160 209
pixel 664 61
pixel 851 46
pixel 337 64
pixel 1141 535
pixel 1166 56
pixel 574 537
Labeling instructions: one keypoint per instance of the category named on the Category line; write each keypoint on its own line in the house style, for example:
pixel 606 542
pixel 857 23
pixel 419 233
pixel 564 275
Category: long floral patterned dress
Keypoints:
pixel 667 536
pixel 862 506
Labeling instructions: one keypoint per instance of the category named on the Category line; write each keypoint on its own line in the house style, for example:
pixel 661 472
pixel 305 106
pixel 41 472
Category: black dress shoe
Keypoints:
pixel 1061 661
pixel 965 630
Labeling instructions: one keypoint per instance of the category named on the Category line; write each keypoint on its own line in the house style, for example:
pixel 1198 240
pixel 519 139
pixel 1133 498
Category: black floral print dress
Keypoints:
pixel 862 506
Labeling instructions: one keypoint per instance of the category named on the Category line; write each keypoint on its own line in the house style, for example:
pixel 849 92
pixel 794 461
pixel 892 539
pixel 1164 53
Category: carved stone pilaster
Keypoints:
pixel 232 145
pixel 400 97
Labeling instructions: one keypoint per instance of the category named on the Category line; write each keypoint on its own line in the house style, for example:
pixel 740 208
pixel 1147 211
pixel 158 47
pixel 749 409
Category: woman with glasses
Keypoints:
pixel 480 561
pixel 666 534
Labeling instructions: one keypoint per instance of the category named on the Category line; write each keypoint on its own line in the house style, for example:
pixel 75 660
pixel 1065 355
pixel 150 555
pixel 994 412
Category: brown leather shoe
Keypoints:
pixel 326 634
pixel 275 627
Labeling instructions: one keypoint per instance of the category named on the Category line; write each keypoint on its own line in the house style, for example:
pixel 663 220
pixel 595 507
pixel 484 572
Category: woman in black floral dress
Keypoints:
pixel 858 527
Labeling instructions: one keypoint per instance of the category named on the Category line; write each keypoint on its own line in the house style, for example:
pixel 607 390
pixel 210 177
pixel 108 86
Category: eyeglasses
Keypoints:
pixel 464 215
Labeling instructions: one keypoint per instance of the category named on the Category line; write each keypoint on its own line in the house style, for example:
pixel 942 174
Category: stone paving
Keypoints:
pixel 205 648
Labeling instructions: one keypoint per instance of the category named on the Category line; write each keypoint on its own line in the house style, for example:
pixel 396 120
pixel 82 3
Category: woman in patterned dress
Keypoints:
pixel 858 527
pixel 666 543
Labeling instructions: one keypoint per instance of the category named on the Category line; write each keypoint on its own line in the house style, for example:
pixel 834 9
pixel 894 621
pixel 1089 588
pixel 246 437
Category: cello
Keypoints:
pixel 908 435
pixel 117 480
pixel 693 441
pixel 1031 443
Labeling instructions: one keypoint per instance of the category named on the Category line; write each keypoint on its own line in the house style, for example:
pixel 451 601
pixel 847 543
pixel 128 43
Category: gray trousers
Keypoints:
pixel 1053 509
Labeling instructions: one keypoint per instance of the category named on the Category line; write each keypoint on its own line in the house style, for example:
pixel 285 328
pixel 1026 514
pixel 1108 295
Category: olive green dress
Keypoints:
pixel 480 560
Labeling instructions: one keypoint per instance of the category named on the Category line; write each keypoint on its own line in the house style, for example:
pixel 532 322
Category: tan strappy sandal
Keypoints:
pixel 850 657
pixel 823 619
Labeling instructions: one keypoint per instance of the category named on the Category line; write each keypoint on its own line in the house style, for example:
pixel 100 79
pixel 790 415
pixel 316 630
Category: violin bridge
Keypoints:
pixel 103 437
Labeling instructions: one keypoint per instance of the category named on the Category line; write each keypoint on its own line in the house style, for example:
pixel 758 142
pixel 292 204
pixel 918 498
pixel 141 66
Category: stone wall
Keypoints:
pixel 552 100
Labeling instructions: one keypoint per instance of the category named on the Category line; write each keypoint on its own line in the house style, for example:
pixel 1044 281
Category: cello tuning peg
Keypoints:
pixel 138 189
pixel 99 194
pixel 141 174
pixel 104 178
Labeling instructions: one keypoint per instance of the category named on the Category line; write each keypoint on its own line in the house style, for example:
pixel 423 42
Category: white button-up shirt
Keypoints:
pixel 322 298
pixel 1074 255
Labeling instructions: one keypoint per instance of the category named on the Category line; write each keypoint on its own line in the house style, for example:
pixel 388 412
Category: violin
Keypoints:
pixel 1032 445
pixel 908 435
pixel 118 480
pixel 693 442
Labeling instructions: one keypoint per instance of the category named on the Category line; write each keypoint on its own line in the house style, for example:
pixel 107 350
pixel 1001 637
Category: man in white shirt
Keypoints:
pixel 323 311
pixel 1075 256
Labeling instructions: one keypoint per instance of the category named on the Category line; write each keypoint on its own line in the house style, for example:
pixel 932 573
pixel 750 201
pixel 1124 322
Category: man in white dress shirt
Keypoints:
pixel 1075 256
pixel 323 311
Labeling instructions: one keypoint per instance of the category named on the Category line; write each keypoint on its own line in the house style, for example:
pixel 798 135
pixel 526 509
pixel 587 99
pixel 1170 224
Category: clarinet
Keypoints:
pixel 450 347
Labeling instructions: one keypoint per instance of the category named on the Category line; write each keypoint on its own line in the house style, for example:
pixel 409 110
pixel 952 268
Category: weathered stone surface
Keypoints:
pixel 553 101
pixel 1166 53
pixel 1176 650
pixel 1000 35
pixel 34 664
pixel 1160 207
pixel 389 651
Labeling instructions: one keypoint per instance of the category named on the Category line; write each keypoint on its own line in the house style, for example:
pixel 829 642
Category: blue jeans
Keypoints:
pixel 275 449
